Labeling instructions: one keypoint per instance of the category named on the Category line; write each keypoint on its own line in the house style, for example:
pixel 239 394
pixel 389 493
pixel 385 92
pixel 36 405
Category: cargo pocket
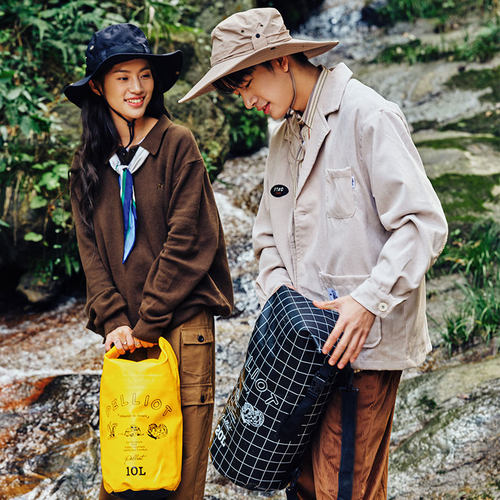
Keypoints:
pixel 196 365
pixel 344 285
pixel 340 202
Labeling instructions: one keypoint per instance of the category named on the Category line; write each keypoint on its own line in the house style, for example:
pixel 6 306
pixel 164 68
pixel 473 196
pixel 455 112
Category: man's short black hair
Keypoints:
pixel 229 83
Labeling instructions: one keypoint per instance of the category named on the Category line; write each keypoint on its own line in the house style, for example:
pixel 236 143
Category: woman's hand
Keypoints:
pixel 123 339
pixel 354 322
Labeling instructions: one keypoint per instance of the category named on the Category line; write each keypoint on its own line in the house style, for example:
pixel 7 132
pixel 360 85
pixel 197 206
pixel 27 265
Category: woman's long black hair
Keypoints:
pixel 99 141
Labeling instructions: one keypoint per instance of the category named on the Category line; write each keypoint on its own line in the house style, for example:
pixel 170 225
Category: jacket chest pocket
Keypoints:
pixel 339 196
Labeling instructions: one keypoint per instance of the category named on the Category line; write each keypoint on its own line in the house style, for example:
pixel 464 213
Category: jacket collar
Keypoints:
pixel 152 141
pixel 329 102
pixel 333 90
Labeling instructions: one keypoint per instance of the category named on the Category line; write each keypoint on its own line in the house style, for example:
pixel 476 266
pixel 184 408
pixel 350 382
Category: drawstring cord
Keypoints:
pixel 130 123
pixel 290 109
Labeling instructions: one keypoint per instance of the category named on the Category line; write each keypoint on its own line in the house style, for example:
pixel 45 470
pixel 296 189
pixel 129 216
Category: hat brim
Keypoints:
pixel 224 68
pixel 167 68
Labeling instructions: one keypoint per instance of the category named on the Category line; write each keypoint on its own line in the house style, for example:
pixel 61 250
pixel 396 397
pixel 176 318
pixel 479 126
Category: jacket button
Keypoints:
pixel 201 338
pixel 202 399
pixel 382 307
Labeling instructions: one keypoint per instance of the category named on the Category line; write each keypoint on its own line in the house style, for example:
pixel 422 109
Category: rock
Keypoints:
pixel 238 190
pixel 53 438
pixel 443 299
pixel 242 180
pixel 446 434
pixel 420 91
pixel 294 12
pixel 209 13
pixel 38 289
pixel 457 153
pixel 372 15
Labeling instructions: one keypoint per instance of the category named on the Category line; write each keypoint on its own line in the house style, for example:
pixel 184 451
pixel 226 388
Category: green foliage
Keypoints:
pixel 410 10
pixel 162 18
pixel 248 130
pixel 481 49
pixel 427 403
pixel 45 188
pixel 411 52
pixel 477 319
pixel 477 254
pixel 477 258
pixel 42 48
pixel 210 165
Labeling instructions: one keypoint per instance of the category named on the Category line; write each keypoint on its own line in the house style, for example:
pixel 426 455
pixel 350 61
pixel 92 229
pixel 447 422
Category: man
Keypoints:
pixel 348 218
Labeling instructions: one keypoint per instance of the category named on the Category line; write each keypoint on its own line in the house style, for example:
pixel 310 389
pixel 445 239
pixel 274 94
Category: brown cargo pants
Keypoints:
pixel 194 346
pixel 376 400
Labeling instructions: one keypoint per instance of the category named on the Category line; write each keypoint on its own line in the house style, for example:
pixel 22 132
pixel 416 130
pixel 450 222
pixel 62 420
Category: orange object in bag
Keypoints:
pixel 140 423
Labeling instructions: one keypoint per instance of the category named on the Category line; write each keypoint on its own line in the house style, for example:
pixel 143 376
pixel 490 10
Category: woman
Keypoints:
pixel 148 231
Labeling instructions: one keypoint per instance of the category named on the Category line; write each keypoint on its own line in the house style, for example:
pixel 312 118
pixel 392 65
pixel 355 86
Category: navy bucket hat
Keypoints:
pixel 122 42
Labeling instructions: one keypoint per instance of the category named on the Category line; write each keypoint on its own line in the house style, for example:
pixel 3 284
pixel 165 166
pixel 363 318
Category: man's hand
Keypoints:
pixel 123 339
pixel 355 322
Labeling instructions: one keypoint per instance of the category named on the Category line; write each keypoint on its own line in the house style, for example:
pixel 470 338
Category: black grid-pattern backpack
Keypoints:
pixel 280 396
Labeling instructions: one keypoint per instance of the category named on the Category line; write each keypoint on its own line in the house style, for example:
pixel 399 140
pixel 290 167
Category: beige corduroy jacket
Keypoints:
pixel 364 219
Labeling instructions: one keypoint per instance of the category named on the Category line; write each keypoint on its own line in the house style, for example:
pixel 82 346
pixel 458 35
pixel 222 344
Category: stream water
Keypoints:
pixel 50 364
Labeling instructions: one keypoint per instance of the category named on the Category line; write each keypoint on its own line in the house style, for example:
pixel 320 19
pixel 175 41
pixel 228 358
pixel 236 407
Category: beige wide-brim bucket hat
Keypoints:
pixel 249 38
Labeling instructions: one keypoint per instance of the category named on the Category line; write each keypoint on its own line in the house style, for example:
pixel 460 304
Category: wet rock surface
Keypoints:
pixel 444 429
pixel 446 434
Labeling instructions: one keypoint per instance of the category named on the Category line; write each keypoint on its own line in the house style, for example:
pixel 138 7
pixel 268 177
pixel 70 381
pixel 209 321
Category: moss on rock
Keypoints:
pixel 461 143
pixel 487 122
pixel 464 196
pixel 478 79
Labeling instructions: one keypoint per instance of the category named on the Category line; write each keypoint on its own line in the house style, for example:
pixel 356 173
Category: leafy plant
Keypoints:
pixel 42 47
pixel 162 18
pixel 478 255
pixel 481 49
pixel 248 129
pixel 477 258
pixel 211 167
pixel 478 318
pixel 409 10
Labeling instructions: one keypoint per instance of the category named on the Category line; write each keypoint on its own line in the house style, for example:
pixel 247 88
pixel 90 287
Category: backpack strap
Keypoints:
pixel 349 397
pixel 323 377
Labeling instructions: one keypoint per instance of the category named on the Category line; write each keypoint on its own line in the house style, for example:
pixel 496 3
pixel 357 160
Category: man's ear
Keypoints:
pixel 95 87
pixel 282 63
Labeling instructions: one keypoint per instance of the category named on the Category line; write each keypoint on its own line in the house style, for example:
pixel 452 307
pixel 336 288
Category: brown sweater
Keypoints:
pixel 178 264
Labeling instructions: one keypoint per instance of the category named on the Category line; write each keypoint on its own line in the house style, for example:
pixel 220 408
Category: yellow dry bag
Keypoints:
pixel 141 424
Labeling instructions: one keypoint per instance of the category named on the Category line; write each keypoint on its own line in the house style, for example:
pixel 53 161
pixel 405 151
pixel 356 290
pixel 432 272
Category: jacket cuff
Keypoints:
pixel 371 297
pixel 149 332
pixel 116 321
pixel 279 279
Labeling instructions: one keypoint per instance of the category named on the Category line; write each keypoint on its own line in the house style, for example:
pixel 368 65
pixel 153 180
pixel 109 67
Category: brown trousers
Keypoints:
pixel 376 401
pixel 194 346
